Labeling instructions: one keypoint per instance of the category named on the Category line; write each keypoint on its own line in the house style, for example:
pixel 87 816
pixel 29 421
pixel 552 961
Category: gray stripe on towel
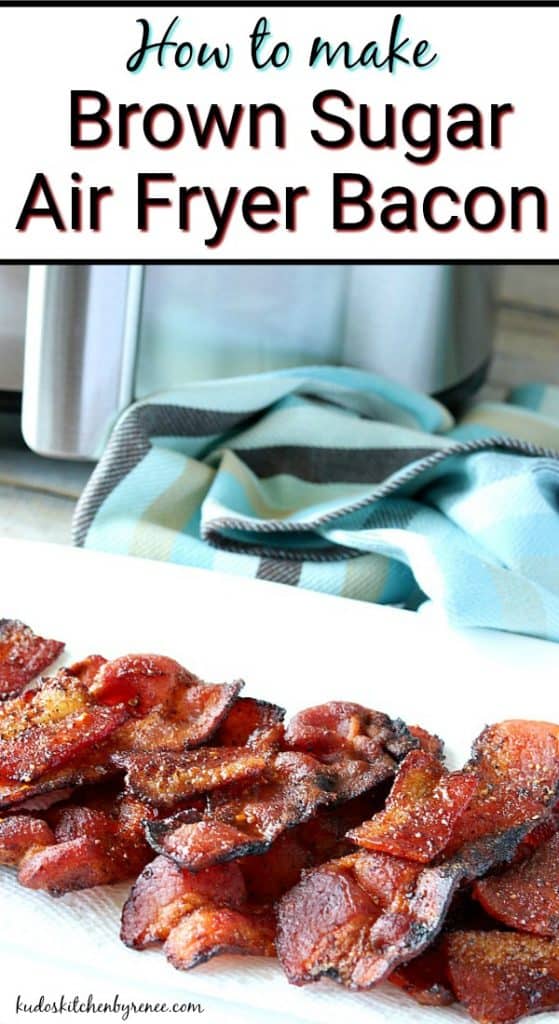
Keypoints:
pixel 279 572
pixel 330 465
pixel 131 441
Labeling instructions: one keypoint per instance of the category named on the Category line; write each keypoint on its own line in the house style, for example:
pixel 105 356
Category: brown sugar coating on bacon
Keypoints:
pixel 211 931
pixel 163 894
pixel 423 806
pixel 244 820
pixel 143 681
pixel 23 656
pixel 344 728
pixel 526 895
pixel 66 867
pixel 91 768
pixel 251 722
pixel 20 833
pixel 502 976
pixel 44 730
pixel 51 726
pixel 518 765
pixel 165 778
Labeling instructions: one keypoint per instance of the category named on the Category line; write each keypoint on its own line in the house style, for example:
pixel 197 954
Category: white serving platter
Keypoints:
pixel 292 647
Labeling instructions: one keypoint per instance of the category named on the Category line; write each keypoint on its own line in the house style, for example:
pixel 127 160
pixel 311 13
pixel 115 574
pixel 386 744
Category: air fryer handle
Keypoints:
pixel 80 350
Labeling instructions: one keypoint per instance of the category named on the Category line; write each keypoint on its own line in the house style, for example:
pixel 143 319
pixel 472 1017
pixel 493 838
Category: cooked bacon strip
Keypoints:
pixel 143 681
pixel 424 804
pixel 197 916
pixel 66 867
pixel 526 895
pixel 53 725
pixel 356 777
pixel 92 848
pixel 503 976
pixel 269 875
pixel 210 931
pixel 164 894
pixel 387 880
pixel 88 669
pixel 341 727
pixel 425 979
pixel 21 833
pixel 363 747
pixel 52 700
pixel 356 923
pixel 428 741
pixel 187 721
pixel 42 748
pixel 165 778
pixel 253 723
pixel 238 823
pixel 92 768
pixel 518 765
pixel 23 655
pixel 322 924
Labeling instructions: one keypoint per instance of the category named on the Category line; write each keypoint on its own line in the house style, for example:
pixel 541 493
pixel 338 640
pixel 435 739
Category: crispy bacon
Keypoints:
pixel 87 669
pixel 51 727
pixel 210 931
pixel 424 804
pixel 186 721
pixel 25 758
pixel 92 768
pixel 143 681
pixel 171 708
pixel 240 821
pixel 518 765
pixel 322 922
pixel 344 728
pixel 526 895
pixel 196 916
pixel 23 655
pixel 65 867
pixel 356 922
pixel 425 978
pixel 502 976
pixel 164 894
pixel 324 835
pixel 92 847
pixel 269 875
pixel 253 723
pixel 21 833
pixel 428 741
pixel 165 778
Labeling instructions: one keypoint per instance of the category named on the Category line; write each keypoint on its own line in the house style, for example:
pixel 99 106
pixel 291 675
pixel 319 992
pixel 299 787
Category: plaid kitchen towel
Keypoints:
pixel 337 480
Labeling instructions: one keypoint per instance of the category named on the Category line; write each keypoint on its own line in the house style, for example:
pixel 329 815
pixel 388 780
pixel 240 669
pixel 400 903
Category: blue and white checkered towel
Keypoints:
pixel 337 480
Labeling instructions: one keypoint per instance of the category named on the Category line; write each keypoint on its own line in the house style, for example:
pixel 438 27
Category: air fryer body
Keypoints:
pixel 100 337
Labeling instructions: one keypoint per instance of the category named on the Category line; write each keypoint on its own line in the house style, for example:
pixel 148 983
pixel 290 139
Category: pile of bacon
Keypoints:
pixel 339 843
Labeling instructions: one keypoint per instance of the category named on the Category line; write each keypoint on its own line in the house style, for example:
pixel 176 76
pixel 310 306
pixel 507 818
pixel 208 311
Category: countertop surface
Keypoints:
pixel 37 495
